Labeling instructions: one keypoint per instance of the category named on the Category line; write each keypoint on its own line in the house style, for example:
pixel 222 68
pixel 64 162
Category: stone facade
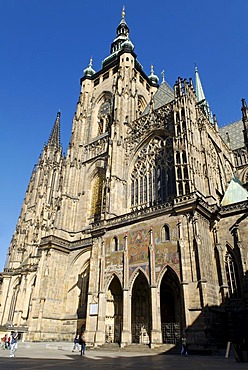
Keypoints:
pixel 126 237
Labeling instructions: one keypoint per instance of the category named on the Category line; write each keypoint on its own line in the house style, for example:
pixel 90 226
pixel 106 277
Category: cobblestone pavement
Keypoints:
pixel 40 357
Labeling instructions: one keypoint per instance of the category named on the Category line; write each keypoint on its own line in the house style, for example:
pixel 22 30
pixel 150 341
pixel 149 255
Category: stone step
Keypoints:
pixel 142 348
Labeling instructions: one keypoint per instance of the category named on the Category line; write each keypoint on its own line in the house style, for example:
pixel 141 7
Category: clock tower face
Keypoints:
pixel 105 109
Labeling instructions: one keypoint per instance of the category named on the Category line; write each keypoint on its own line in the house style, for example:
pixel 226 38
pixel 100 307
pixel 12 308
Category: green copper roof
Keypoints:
pixel 198 87
pixel 201 96
pixel 235 193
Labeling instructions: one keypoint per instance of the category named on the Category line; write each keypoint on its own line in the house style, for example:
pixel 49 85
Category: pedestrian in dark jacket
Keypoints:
pixel 75 343
pixel 184 351
pixel 82 342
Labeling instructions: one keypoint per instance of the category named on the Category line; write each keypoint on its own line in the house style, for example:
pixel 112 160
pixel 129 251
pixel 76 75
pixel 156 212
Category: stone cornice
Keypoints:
pixel 63 245
pixel 178 205
pixel 240 207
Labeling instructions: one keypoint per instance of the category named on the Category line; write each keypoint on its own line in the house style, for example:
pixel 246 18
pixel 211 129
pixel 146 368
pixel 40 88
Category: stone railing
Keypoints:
pixel 96 147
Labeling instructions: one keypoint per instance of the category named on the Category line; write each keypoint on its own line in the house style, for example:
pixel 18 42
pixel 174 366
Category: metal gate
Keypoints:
pixel 141 333
pixel 170 332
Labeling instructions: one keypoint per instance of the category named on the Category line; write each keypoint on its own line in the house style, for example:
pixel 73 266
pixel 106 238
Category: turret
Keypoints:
pixel 54 139
pixel 153 78
pixel 89 71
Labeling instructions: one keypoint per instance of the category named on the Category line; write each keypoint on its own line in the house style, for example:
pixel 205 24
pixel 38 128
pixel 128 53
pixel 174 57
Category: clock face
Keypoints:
pixel 105 108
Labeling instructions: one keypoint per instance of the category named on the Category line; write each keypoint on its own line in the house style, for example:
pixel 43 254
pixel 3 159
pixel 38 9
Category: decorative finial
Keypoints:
pixel 91 62
pixel 123 12
pixel 162 74
pixel 152 69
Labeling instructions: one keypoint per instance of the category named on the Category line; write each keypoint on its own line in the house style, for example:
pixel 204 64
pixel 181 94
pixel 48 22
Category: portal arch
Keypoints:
pixel 170 306
pixel 141 309
pixel 114 311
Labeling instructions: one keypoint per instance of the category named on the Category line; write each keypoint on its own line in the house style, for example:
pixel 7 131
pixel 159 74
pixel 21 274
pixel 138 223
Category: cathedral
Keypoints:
pixel 139 233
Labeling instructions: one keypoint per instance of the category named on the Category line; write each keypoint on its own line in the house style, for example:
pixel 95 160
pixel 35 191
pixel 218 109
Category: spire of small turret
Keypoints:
pixel 201 96
pixel 54 139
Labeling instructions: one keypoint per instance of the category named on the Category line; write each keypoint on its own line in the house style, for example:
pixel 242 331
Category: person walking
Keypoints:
pixel 82 342
pixel 13 344
pixel 8 342
pixel 184 350
pixel 76 343
pixel 5 342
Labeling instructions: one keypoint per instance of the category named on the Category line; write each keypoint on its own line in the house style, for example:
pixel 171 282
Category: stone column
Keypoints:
pixel 222 271
pixel 100 332
pixel 93 293
pixel 199 262
pixel 126 335
pixel 156 334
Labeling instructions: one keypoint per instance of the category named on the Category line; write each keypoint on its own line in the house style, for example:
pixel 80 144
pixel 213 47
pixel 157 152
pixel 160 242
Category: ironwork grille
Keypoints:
pixel 141 333
pixel 170 332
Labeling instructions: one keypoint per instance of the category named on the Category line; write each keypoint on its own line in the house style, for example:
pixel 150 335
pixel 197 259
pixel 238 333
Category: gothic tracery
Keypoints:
pixel 151 178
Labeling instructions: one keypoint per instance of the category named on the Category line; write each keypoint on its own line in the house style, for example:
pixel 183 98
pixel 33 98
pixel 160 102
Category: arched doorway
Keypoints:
pixel 83 284
pixel 170 307
pixel 113 323
pixel 141 310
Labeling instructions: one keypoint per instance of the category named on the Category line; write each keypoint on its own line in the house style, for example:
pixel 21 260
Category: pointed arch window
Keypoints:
pixel 232 275
pixel 152 173
pixel 104 117
pixel 15 294
pixel 96 196
pixel 83 285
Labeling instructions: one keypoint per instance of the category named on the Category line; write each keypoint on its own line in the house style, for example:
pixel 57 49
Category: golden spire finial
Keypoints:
pixel 123 12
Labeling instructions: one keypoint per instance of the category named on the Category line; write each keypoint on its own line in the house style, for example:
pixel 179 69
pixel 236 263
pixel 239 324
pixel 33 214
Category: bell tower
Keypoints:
pixel 109 100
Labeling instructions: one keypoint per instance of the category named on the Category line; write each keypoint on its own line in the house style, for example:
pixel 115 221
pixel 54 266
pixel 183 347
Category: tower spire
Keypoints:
pixel 201 96
pixel 198 86
pixel 54 139
pixel 122 33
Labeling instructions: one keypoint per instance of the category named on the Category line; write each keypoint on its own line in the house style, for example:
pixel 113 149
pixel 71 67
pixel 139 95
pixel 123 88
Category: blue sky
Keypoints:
pixel 46 44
